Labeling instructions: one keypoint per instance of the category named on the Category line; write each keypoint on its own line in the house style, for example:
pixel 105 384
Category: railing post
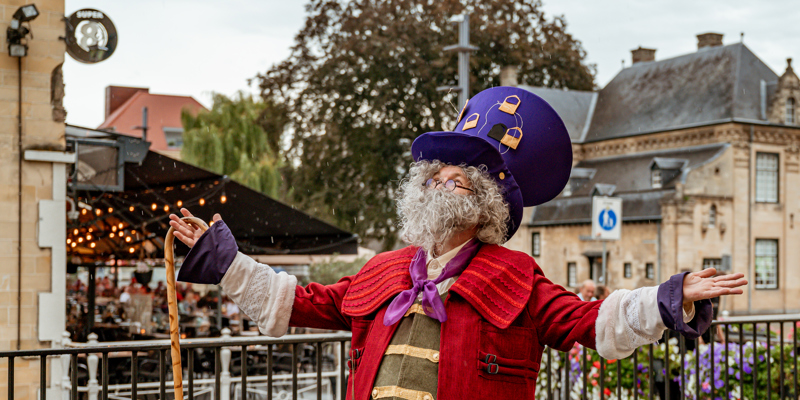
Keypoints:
pixel 92 364
pixel 65 342
pixel 225 380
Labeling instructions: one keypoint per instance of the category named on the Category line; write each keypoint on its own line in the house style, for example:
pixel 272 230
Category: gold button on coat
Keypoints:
pixel 502 176
pixel 436 356
pixel 374 393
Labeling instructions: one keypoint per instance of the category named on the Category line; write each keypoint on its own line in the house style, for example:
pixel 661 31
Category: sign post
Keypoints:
pixel 606 223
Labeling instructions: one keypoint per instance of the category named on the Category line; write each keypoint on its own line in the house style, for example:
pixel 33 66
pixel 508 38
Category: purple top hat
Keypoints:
pixel 519 138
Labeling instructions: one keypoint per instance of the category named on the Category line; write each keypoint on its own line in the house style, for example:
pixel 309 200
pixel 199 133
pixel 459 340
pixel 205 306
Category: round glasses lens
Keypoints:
pixel 430 183
pixel 450 185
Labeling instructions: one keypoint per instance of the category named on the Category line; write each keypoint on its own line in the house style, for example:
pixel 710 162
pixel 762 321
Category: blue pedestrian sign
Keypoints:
pixel 606 217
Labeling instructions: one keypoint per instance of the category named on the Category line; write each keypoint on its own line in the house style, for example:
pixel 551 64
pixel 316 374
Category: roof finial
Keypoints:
pixel 741 37
pixel 623 63
pixel 789 64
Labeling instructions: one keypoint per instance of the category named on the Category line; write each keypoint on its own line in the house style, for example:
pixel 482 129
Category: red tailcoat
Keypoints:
pixel 501 312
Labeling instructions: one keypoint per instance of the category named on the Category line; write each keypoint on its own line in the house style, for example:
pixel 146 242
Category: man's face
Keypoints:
pixel 456 174
pixel 588 291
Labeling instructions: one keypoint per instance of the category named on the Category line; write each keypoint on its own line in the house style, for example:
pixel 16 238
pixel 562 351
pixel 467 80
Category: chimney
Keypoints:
pixel 643 55
pixel 118 95
pixel 709 39
pixel 508 76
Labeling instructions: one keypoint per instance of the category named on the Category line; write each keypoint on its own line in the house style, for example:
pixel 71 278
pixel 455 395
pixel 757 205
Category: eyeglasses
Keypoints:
pixel 450 185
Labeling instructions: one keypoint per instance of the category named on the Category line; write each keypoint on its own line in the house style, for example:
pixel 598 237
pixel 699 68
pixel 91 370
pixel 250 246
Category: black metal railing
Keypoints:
pixel 744 359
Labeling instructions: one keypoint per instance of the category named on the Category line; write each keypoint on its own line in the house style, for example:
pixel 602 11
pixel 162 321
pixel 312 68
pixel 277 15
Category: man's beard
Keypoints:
pixel 429 217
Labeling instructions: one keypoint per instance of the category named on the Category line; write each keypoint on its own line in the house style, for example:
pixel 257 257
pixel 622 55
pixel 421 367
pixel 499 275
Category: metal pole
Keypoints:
pixel 463 60
pixel 605 270
pixel 144 123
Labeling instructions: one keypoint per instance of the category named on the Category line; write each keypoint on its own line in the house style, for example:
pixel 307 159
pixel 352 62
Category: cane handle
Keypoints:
pixel 172 301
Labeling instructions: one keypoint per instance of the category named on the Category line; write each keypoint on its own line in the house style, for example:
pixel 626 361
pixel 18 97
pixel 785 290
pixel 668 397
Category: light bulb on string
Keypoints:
pixel 110 210
pixel 120 225
pixel 92 245
pixel 128 239
pixel 166 208
pixel 131 250
pixel 90 229
pixel 202 201
pixel 80 240
pixel 130 208
pixel 88 237
pixel 69 240
pixel 113 228
pixel 73 245
pixel 111 235
pixel 179 203
pixel 75 232
pixel 153 206
pixel 83 212
pixel 98 212
pixel 223 198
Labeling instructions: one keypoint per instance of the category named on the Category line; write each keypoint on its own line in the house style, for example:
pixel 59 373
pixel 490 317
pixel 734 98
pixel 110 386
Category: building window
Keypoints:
pixel 712 263
pixel 627 270
pixel 572 275
pixel 712 216
pixel 655 177
pixel 649 271
pixel 536 244
pixel 766 264
pixel 790 111
pixel 766 177
pixel 174 137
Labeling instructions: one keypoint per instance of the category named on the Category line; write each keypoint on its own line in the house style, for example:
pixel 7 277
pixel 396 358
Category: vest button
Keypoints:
pixel 374 393
pixel 436 356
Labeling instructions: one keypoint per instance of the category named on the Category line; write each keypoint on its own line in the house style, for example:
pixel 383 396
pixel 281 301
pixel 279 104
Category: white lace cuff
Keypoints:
pixel 263 295
pixel 626 320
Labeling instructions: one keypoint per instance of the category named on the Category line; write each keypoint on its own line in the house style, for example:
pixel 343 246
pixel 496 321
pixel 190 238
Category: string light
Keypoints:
pixel 92 245
pixel 88 237
pixel 69 241
pixel 120 225
pixel 98 212
pixel 211 223
pixel 128 239
pixel 131 250
pixel 133 232
pixel 90 229
pixel 114 228
pixel 110 210
pixel 73 245
pixel 111 235
pixel 202 202
pixel 130 208
pixel 121 233
pixel 80 240
pixel 75 232
pixel 223 199
pixel 166 208
pixel 179 203
pixel 83 212
pixel 153 206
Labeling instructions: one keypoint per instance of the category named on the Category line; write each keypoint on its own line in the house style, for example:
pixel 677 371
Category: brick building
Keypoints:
pixel 704 150
pixel 123 115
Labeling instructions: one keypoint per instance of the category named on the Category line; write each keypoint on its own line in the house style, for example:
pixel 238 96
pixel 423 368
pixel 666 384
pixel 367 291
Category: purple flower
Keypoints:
pixel 747 369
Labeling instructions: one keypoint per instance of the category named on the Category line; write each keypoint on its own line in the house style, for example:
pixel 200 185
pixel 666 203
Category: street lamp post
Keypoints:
pixel 464 49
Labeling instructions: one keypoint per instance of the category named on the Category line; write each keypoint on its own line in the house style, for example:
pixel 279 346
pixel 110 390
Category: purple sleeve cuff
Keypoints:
pixel 670 306
pixel 210 257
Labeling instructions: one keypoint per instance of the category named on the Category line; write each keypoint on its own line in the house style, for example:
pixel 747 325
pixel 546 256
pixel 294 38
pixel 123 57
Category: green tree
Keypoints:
pixel 231 139
pixel 360 85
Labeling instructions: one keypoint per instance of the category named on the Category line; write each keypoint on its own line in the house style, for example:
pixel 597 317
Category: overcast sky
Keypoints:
pixel 196 47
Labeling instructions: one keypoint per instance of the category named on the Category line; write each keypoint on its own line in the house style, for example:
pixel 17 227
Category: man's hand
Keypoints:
pixel 703 285
pixel 187 232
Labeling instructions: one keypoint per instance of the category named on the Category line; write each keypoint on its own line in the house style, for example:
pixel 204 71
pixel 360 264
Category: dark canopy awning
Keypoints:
pixel 159 185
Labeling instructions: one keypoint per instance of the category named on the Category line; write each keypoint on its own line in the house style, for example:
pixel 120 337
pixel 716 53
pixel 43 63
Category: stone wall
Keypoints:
pixel 40 131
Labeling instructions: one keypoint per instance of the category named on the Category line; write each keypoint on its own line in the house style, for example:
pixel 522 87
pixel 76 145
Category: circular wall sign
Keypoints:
pixel 91 36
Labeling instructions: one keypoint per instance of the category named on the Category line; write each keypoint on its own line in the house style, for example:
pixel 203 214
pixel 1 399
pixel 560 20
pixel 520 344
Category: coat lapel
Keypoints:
pixel 384 276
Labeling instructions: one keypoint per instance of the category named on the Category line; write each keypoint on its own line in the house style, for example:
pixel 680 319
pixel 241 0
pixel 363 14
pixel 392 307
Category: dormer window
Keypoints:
pixel 655 178
pixel 790 111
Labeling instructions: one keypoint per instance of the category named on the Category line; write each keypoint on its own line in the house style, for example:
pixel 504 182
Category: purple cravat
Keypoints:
pixel 431 301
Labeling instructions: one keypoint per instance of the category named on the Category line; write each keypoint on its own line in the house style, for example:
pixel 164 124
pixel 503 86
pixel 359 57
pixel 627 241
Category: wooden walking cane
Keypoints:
pixel 172 300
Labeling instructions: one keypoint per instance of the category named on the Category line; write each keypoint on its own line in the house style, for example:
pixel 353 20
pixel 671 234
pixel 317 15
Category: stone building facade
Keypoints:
pixel 704 150
pixel 32 237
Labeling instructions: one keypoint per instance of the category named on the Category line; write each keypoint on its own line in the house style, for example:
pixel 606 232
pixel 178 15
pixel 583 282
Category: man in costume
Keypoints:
pixel 455 315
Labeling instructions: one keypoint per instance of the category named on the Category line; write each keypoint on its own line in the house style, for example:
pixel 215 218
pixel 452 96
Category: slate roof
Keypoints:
pixel 631 176
pixel 572 105
pixel 711 85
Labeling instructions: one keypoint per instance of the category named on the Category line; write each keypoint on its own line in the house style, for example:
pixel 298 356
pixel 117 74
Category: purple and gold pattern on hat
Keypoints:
pixel 518 136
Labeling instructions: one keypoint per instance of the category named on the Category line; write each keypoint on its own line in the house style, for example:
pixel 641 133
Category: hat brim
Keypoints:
pixel 459 148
